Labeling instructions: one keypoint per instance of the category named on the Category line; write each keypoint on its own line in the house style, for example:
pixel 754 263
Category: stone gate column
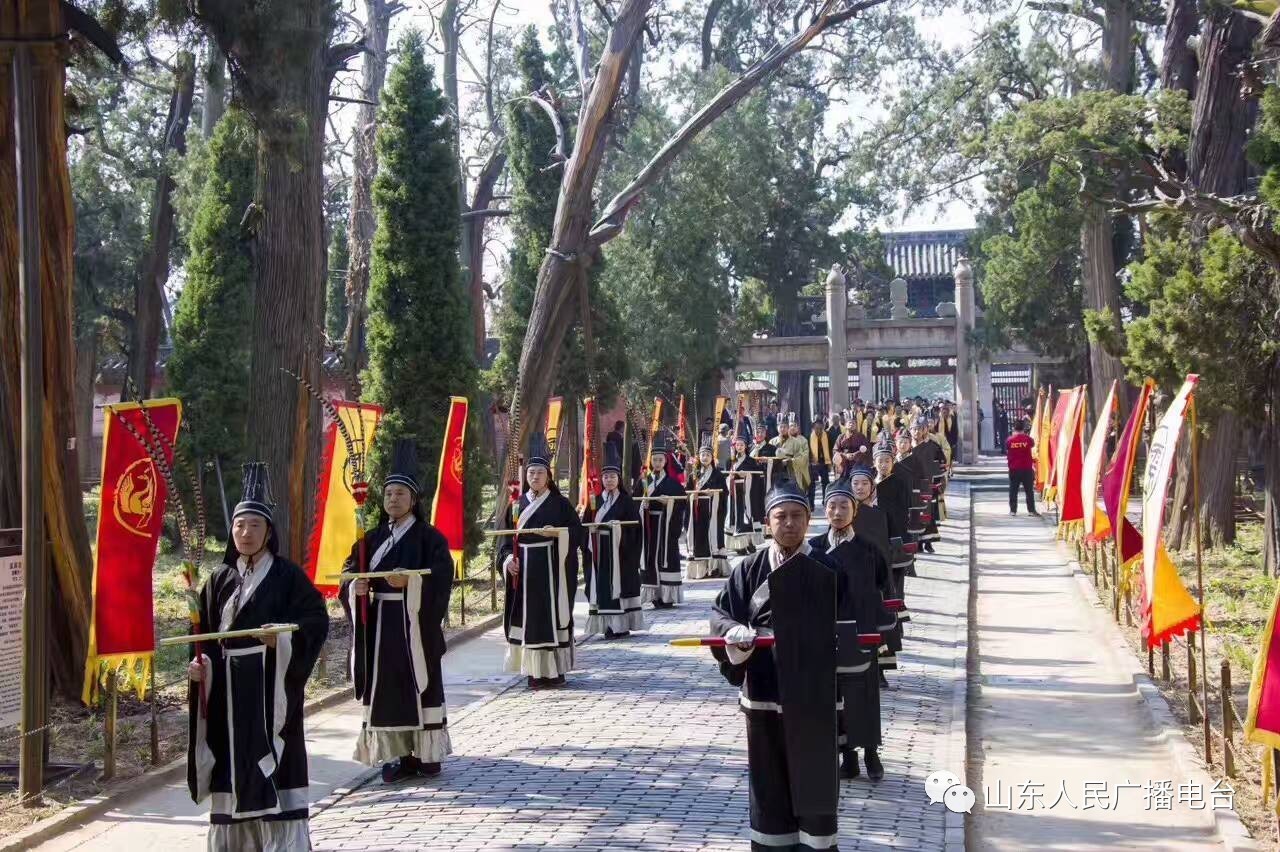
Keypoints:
pixel 837 343
pixel 867 379
pixel 986 399
pixel 966 365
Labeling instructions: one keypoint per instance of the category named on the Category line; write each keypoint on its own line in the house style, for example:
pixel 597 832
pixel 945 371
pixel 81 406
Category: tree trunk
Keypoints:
pixel 1101 292
pixel 288 102
pixel 1218 448
pixel 149 294
pixel 573 448
pixel 1117 45
pixel 1178 62
pixel 708 30
pixel 364 169
pixel 449 31
pixel 86 379
pixel 64 512
pixel 474 228
pixel 1223 114
pixel 214 103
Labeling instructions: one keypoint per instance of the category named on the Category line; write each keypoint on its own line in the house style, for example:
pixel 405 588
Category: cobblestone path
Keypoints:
pixel 645 750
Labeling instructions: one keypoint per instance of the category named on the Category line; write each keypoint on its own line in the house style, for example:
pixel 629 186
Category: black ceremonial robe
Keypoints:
pixel 859 600
pixel 933 462
pixel 395 655
pixel 662 522
pixel 745 600
pixel 707 554
pixel 745 520
pixel 767 451
pixel 538 618
pixel 871 525
pixel 613 574
pixel 248 752
pixel 894 498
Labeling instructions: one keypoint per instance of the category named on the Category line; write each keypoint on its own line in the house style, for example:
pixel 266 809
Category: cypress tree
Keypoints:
pixel 420 348
pixel 209 368
pixel 335 306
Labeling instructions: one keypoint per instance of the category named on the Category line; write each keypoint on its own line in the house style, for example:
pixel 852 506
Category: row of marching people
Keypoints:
pixel 777 611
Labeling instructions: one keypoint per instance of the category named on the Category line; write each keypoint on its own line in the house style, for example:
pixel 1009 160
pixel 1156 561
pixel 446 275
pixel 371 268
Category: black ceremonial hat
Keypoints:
pixel 705 443
pixel 659 444
pixel 255 496
pixel 539 454
pixel 404 465
pixel 743 433
pixel 862 470
pixel 785 491
pixel 883 447
pixel 612 459
pixel 841 486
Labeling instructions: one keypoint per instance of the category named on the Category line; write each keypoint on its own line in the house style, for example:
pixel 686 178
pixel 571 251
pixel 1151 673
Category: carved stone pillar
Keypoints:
pixel 966 365
pixel 837 343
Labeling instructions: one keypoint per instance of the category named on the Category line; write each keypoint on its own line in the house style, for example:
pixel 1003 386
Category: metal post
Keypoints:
pixel 1115 583
pixel 1193 707
pixel 493 580
pixel 1151 661
pixel 1228 720
pixel 462 590
pixel 155 718
pixel 35 669
pixel 109 728
pixel 1195 504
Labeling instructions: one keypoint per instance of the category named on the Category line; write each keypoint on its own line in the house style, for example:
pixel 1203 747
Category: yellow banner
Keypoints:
pixel 336 531
pixel 555 409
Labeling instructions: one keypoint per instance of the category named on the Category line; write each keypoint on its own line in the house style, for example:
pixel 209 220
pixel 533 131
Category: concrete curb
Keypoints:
pixel 955 825
pixel 1226 822
pixel 77 815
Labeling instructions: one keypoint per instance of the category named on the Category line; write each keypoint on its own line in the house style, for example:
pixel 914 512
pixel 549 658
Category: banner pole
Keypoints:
pixel 1195 514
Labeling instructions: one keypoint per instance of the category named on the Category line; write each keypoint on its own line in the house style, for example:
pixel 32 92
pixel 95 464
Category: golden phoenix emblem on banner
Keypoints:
pixel 455 467
pixel 136 497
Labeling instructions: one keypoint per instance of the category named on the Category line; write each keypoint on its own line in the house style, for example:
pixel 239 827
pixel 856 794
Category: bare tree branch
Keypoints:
pixel 1077 10
pixel 612 220
pixel 488 213
pixel 583 56
pixel 546 102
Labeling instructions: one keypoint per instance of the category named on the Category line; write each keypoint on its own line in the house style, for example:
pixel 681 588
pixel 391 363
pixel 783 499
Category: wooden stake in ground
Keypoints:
pixel 1195 502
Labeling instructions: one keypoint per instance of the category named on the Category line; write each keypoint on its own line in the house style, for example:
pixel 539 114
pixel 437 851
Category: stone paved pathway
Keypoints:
pixel 645 750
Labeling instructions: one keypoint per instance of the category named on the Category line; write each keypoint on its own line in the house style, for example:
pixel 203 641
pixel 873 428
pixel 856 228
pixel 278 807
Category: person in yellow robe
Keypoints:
pixel 793 447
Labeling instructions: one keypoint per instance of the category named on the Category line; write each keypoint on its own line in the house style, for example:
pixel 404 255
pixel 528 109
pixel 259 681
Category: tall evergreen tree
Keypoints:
pixel 335 306
pixel 209 369
pixel 420 348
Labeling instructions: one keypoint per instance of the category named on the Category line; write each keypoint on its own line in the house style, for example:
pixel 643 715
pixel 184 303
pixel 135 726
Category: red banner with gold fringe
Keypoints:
pixel 448 513
pixel 589 487
pixel 131 510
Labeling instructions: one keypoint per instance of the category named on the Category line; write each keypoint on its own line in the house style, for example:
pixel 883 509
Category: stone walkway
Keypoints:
pixel 1067 757
pixel 644 750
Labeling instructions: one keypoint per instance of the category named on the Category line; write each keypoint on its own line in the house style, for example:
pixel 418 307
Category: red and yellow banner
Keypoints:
pixel 1054 427
pixel 1070 462
pixel 131 510
pixel 336 528
pixel 1041 447
pixel 448 513
pixel 1096 525
pixel 589 488
pixel 656 422
pixel 1262 724
pixel 682 423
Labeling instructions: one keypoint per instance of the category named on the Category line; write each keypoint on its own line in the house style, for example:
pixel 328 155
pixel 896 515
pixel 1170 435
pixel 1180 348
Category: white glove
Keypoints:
pixel 741 635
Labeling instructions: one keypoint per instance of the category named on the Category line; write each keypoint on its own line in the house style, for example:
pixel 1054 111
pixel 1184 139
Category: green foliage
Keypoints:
pixel 420 348
pixel 209 369
pixel 1212 307
pixel 1264 147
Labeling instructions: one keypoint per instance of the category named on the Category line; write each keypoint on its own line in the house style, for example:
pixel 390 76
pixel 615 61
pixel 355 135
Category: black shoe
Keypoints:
pixel 1034 514
pixel 620 635
pixel 875 769
pixel 849 763
pixel 534 682
pixel 608 633
pixel 1013 514
pixel 928 547
pixel 551 682
pixel 427 770
pixel 884 681
pixel 398 770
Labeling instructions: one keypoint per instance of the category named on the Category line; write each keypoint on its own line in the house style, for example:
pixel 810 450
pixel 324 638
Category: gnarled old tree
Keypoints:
pixel 64 515
pixel 282 63
pixel 578 233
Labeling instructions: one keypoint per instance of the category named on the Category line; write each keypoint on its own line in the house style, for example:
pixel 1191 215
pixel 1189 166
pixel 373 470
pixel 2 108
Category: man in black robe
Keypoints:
pixel 398 635
pixel 662 512
pixel 764 450
pixel 862 576
pixel 742 613
pixel 246 750
pixel 933 465
pixel 542 575
pixel 707 509
pixel 745 477
pixel 613 573
pixel 871 524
